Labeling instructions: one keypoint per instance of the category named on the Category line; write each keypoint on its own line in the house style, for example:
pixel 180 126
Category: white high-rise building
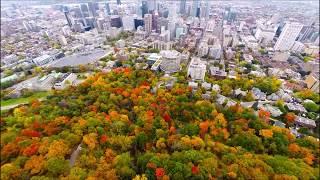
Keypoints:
pixel 148 23
pixel 210 25
pixel 265 33
pixel 203 48
pixel 288 36
pixel 197 69
pixel 215 51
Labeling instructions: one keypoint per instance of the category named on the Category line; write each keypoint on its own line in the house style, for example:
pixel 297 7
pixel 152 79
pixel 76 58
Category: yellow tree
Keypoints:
pixel 58 148
pixel 35 164
pixel 90 140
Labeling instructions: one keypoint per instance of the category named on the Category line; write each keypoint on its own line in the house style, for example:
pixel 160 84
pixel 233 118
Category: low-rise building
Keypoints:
pixel 9 59
pixel 42 60
pixel 222 100
pixel 193 85
pixel 153 58
pixel 296 107
pixel 9 78
pixel 217 73
pixel 65 80
pixel 170 61
pixel 206 86
pixel 275 112
pixel 258 94
pixel 273 97
pixel 238 92
pixel 44 83
pixel 216 88
pixel 312 82
pixel 206 96
pixel 305 122
pixel 279 124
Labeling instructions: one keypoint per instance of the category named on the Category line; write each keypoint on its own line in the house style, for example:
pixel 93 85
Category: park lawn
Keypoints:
pixel 36 95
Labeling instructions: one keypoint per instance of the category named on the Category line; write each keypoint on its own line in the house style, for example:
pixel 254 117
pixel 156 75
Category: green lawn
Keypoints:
pixel 36 95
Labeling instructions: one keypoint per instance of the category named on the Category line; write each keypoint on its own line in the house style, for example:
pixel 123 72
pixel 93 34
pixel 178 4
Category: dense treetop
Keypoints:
pixel 127 130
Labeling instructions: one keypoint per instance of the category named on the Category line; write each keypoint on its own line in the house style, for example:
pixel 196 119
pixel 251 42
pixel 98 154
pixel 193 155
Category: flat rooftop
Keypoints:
pixel 79 59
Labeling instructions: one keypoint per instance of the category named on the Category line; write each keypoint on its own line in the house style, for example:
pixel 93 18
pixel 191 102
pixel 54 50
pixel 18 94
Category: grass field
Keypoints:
pixel 21 100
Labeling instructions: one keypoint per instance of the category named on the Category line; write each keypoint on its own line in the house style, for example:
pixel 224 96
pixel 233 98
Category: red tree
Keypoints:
pixel 195 169
pixel 160 172
pixel 30 133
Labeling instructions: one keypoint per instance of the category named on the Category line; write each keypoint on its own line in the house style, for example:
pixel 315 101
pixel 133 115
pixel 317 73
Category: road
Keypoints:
pixel 74 155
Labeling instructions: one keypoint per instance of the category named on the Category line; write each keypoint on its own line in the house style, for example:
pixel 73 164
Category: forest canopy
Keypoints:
pixel 126 130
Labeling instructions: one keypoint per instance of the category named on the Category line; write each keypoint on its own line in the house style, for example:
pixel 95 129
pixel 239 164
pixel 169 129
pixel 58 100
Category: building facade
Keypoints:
pixel 288 36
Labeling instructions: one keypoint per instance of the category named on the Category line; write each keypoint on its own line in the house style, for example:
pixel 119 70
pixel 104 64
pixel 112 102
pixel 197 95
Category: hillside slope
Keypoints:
pixel 127 131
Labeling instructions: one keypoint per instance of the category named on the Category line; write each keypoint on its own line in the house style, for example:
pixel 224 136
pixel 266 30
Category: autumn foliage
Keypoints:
pixel 116 125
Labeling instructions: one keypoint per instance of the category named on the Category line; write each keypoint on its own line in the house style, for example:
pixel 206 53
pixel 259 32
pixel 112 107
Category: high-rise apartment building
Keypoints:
pixel 288 36
pixel 148 23
pixel 183 6
pixel 196 69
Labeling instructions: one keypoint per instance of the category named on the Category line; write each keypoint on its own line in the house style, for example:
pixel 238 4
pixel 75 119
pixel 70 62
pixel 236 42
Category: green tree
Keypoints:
pixel 57 166
pixel 268 84
pixel 311 106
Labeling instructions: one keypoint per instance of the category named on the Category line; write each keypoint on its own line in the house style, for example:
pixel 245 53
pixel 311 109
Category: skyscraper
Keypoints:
pixel 144 7
pixel 119 2
pixel 205 9
pixel 183 6
pixel 306 33
pixel 152 5
pixel 92 9
pixel 229 15
pixel 107 9
pixel 77 12
pixel 66 14
pixel 148 23
pixel 195 8
pixel 288 36
pixel 84 10
pixel 155 17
